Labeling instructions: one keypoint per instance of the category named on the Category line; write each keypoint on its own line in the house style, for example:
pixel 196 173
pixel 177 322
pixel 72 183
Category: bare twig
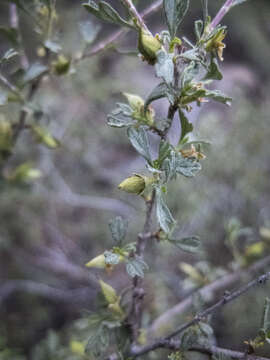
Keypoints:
pixel 9 85
pixel 226 298
pixel 217 285
pixel 14 23
pixel 134 13
pixel 222 12
pixel 214 350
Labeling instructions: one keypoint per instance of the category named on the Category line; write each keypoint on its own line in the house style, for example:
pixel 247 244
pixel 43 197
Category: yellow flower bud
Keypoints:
pixel 98 262
pixel 135 101
pixel 135 184
pixel 148 46
pixel 108 292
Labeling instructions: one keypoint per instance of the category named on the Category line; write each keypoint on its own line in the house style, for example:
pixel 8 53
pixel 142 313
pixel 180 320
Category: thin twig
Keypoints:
pixel 217 285
pixel 14 23
pixel 9 85
pixel 227 298
pixel 135 314
pixel 134 13
pixel 222 12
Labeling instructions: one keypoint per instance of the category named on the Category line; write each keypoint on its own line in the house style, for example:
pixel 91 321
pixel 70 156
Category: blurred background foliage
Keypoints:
pixel 49 229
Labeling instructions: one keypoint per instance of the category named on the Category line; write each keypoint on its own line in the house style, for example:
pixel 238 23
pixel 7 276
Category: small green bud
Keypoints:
pixel 97 262
pixel 135 101
pixel 148 46
pixel 5 135
pixel 135 184
pixel 43 136
pixel 108 292
pixel 62 65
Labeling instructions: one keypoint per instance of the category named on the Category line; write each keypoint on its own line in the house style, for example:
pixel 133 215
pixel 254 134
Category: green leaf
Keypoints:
pixel 175 10
pixel 118 227
pixel 198 28
pixel 106 12
pixel 238 2
pixel 164 216
pixel 191 55
pixel 165 67
pixel 89 31
pixel 169 166
pixel 213 71
pixel 266 316
pixel 140 142
pixel 189 73
pixel 10 34
pixel 164 151
pixel 186 126
pixel 53 46
pixel 121 116
pixel 218 96
pixel 189 244
pixel 160 91
pixel 3 98
pixel 34 71
pixel 186 166
pixel 189 338
pixel 8 55
pixel 136 267
pixel 111 258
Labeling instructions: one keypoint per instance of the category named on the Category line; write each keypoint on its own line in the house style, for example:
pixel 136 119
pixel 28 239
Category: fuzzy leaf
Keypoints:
pixel 213 72
pixel 189 244
pixel 89 31
pixel 8 55
pixel 165 67
pixel 160 91
pixel 118 227
pixel 106 12
pixel 34 72
pixel 111 258
pixel 186 126
pixel 175 10
pixel 136 267
pixel 164 151
pixel 121 116
pixel 218 96
pixel 187 167
pixel 164 216
pixel 140 142
pixel 169 166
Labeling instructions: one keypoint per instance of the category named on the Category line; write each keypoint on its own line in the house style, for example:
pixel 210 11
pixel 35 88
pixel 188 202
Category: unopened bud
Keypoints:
pixel 135 101
pixel 135 184
pixel 148 46
pixel 97 262
pixel 108 292
pixel 61 65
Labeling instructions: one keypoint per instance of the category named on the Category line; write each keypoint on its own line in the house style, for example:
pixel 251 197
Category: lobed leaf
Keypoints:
pixel 136 267
pixel 187 167
pixel 165 67
pixel 139 140
pixel 121 116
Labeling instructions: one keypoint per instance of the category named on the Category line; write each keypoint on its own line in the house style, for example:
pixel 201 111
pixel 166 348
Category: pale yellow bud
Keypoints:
pixel 135 184
pixel 98 262
pixel 135 101
pixel 148 46
pixel 108 292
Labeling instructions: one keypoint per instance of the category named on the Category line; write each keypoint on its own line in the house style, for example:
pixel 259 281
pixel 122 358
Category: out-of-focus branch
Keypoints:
pixel 216 286
pixel 14 23
pixel 222 12
pixel 111 39
pixel 80 295
pixel 225 299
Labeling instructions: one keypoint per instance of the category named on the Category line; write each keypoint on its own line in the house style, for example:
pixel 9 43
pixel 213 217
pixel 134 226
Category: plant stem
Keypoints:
pixel 135 314
pixel 134 13
pixel 227 298
pixel 222 12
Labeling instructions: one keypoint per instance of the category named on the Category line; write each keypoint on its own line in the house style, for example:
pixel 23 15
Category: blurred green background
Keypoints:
pixel 50 229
